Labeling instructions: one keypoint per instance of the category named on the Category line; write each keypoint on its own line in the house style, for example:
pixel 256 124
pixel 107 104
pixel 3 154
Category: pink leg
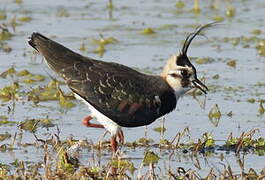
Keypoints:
pixel 121 137
pixel 88 124
pixel 113 140
pixel 113 143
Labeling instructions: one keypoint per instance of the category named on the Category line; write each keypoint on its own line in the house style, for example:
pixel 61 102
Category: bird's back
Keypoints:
pixel 126 96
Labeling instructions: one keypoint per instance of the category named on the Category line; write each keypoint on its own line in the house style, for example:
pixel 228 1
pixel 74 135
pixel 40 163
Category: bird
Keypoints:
pixel 119 96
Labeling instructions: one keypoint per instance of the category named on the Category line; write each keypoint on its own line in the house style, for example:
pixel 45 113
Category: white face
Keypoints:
pixel 179 73
pixel 181 78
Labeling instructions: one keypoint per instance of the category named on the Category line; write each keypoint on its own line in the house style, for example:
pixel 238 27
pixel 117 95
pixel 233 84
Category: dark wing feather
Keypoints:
pixel 124 95
pixel 120 93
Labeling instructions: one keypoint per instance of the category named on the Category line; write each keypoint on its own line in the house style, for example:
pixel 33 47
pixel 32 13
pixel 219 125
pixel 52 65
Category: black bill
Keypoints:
pixel 198 84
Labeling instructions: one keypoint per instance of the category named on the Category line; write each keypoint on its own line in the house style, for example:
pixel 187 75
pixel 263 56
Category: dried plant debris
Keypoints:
pixel 63 160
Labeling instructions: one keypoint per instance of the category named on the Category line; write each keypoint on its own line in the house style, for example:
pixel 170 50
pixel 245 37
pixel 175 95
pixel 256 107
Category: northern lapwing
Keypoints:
pixel 119 96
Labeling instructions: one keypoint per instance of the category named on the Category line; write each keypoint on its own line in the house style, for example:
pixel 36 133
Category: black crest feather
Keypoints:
pixel 182 59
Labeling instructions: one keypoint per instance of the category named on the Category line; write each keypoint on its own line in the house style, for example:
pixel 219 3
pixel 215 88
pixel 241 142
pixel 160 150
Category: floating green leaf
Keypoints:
pixel 261 47
pixel 214 115
pixel 2 15
pixel 251 100
pixel 145 140
pixel 256 31
pixel 9 92
pixel 66 162
pixel 180 4
pixel 230 12
pixel 100 50
pixel 150 158
pixel 23 73
pixel 10 71
pixel 30 125
pixel 148 31
pixel 160 129
pixel 123 164
pixel 62 13
pixel 46 123
pixel 18 1
pixel 5 35
pixel 216 76
pixel 25 19
pixel 5 47
pixel 202 60
pixel 4 121
pixel 64 101
pixel 5 136
pixel 208 140
pixel 218 18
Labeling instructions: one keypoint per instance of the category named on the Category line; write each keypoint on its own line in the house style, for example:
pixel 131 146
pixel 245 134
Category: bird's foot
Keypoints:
pixel 113 140
pixel 87 123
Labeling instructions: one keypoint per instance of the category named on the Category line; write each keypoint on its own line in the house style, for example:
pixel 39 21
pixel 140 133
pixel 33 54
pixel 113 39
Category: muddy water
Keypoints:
pixel 75 23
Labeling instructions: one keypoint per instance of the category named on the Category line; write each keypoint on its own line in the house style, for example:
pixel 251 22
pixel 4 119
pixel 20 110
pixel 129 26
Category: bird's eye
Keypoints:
pixel 174 75
pixel 183 72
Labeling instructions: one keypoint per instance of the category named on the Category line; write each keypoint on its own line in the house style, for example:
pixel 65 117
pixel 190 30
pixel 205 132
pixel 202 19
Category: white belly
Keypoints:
pixel 108 124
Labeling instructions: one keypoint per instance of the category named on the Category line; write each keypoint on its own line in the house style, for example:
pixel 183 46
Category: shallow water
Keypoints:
pixel 88 19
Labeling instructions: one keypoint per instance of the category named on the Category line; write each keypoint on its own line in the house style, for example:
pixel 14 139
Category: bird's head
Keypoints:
pixel 179 73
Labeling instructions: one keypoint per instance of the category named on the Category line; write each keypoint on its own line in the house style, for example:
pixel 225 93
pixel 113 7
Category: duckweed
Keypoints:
pixel 148 31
